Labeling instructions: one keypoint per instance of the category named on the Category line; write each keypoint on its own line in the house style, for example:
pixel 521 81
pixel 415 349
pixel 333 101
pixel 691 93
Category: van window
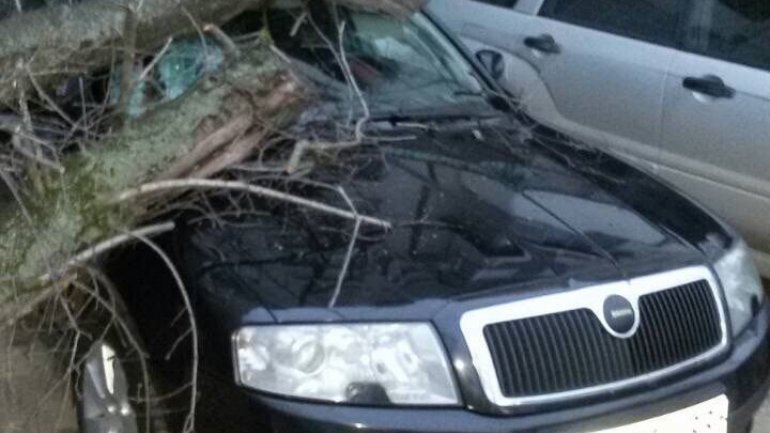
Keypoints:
pixel 647 20
pixel 733 30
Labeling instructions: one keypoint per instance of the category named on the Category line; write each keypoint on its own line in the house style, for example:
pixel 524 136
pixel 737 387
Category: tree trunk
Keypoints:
pixel 63 41
pixel 78 209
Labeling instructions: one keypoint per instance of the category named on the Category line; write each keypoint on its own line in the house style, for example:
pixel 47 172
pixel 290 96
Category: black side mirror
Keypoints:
pixel 493 62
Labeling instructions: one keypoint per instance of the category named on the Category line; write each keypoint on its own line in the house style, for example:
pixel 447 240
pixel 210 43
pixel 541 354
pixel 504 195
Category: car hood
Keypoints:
pixel 477 210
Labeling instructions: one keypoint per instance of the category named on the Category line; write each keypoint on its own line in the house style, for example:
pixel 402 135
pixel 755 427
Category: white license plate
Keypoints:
pixel 707 417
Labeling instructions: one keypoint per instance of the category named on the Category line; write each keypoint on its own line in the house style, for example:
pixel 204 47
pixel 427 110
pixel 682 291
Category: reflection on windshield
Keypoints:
pixel 401 65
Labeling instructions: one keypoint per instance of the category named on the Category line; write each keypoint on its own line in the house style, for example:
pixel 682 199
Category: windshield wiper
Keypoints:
pixel 398 117
pixel 440 114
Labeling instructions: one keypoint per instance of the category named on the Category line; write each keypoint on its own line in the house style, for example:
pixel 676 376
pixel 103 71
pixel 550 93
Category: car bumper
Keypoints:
pixel 743 377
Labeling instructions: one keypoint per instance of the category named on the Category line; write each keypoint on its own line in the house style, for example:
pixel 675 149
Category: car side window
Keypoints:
pixel 502 3
pixel 647 20
pixel 732 30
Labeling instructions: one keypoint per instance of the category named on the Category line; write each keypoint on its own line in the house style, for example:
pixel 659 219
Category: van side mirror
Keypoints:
pixel 493 62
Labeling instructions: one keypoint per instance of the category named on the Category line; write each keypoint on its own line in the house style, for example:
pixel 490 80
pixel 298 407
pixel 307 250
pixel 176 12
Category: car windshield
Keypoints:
pixel 400 65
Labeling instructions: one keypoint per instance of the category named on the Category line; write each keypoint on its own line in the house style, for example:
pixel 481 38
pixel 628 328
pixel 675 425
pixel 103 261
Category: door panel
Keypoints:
pixel 718 148
pixel 732 134
pixel 599 87
pixel 722 144
pixel 610 84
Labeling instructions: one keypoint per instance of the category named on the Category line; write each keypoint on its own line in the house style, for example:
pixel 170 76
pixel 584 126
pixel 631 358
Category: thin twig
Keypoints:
pixel 227 43
pixel 100 248
pixel 51 282
pixel 349 255
pixel 176 344
pixel 70 317
pixel 129 331
pixel 167 185
pixel 161 53
pixel 11 184
pixel 303 146
pixel 45 97
pixel 116 316
pixel 22 305
pixel 127 82
pixel 354 83
pixel 189 425
pixel 34 157
pixel 345 264
pixel 34 174
pixel 197 27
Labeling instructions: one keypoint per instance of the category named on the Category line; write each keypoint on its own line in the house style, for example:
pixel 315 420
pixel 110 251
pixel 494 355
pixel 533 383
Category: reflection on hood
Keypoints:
pixel 471 212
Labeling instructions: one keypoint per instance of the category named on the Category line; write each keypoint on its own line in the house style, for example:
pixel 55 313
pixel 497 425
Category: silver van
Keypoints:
pixel 681 87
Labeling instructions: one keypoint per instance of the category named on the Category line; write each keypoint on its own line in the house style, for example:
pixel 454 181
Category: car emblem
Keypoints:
pixel 619 314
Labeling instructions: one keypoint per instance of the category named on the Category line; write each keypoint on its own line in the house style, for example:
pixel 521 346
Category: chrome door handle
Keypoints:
pixel 544 43
pixel 710 85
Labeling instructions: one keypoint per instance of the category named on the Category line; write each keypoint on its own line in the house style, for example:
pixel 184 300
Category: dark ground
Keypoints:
pixel 33 396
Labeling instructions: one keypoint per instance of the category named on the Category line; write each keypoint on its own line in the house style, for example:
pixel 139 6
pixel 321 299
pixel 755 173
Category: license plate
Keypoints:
pixel 709 416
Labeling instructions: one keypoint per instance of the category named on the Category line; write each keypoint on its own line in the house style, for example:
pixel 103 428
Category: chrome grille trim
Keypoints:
pixel 472 325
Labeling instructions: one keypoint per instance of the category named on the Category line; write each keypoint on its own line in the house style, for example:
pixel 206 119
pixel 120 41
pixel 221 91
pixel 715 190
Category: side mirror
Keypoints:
pixel 493 62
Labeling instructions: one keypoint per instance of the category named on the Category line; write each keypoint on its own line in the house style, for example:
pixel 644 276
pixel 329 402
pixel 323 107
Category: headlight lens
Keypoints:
pixel 362 364
pixel 742 285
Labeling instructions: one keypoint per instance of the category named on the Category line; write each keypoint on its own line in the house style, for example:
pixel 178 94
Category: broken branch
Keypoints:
pixel 184 184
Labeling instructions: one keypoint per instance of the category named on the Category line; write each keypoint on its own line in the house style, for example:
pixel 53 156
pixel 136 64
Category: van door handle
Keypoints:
pixel 710 85
pixel 544 43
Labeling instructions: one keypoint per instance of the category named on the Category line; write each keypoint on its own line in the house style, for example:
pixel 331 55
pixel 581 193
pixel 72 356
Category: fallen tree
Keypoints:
pixel 64 209
pixel 77 208
pixel 62 206
pixel 52 43
pixel 49 44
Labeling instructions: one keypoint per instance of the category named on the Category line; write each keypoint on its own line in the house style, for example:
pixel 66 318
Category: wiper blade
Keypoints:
pixel 427 117
pixel 464 112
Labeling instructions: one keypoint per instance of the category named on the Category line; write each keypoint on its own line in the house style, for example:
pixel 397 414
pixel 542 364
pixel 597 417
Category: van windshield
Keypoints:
pixel 399 65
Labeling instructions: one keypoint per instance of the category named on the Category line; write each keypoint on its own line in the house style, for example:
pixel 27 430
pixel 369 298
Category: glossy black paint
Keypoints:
pixel 481 216
pixel 473 217
pixel 742 377
pixel 485 211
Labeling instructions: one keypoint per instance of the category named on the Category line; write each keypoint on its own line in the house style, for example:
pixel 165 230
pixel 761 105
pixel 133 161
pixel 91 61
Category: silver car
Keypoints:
pixel 681 87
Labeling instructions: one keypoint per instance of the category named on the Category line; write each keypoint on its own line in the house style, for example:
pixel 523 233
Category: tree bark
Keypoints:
pixel 77 208
pixel 61 41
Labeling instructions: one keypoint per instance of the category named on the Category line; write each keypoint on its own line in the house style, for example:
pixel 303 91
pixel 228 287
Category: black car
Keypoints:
pixel 527 282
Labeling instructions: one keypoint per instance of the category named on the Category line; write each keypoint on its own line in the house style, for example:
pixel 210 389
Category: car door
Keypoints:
pixel 598 67
pixel 499 26
pixel 716 120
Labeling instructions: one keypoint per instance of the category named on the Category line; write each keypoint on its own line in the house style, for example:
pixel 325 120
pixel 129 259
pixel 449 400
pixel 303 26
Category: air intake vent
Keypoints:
pixel 571 350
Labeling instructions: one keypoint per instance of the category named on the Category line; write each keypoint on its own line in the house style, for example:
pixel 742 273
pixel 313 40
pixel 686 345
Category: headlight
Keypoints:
pixel 741 283
pixel 361 364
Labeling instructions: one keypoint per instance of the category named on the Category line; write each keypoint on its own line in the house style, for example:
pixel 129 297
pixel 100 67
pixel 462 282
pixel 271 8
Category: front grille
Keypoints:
pixel 571 350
